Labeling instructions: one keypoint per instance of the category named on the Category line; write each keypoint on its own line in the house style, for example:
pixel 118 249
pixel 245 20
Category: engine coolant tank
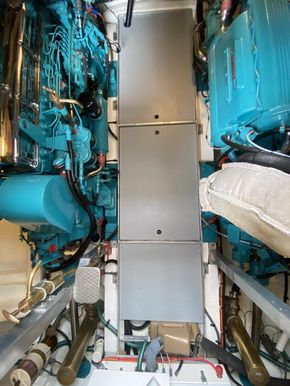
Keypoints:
pixel 249 71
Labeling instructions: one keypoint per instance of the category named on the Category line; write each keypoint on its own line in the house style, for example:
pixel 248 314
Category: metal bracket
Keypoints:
pixel 19 338
pixel 271 305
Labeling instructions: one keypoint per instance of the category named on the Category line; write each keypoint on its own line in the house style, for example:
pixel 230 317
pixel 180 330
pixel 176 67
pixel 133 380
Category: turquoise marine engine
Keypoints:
pixel 242 56
pixel 56 77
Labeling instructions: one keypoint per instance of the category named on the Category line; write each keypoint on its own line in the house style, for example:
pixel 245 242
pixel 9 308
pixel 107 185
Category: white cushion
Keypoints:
pixel 254 198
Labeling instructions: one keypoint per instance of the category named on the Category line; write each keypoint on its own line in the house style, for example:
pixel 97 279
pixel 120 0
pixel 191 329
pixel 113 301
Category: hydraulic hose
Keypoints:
pixel 84 203
pixel 199 11
pixel 238 146
pixel 129 13
pixel 266 159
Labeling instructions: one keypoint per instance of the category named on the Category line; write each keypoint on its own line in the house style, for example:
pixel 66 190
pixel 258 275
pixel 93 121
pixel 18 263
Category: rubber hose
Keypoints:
pixel 270 160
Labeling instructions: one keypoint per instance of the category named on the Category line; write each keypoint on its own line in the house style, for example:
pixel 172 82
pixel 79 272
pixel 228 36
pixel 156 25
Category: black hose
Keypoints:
pixel 286 287
pixel 266 159
pixel 229 374
pixel 238 146
pixel 84 203
pixel 129 13
pixel 199 11
pixel 64 336
pixel 115 231
pixel 113 134
pixel 139 328
pixel 128 331
pixel 114 261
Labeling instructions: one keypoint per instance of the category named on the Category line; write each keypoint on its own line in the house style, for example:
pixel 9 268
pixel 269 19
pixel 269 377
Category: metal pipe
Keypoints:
pixel 255 368
pixel 226 6
pixel 221 306
pixel 37 70
pixel 36 295
pixel 199 52
pixel 11 89
pixel 68 371
pixel 17 84
pixel 30 279
pixel 256 326
pixel 74 318
pixel 60 102
pixel 129 13
pixel 271 305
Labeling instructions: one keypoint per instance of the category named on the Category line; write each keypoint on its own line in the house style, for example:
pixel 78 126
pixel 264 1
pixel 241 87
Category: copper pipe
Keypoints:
pixel 68 371
pixel 60 102
pixel 36 295
pixel 74 318
pixel 37 69
pixel 17 84
pixel 255 368
pixel 11 89
pixel 30 279
pixel 256 326
pixel 221 306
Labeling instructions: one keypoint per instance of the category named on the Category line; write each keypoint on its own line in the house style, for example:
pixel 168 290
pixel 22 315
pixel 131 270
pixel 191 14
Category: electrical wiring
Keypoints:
pixel 64 336
pixel 217 368
pixel 170 368
pixel 226 236
pixel 286 288
pixel 255 145
pixel 274 361
pixel 229 374
pixel 110 327
pixel 177 371
pixel 207 132
pixel 214 230
pixel 113 134
pixel 162 361
pixel 115 231
pixel 212 323
pixel 63 343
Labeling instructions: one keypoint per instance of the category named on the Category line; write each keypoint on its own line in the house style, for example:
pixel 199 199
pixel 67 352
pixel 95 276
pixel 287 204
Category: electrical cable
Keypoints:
pixel 229 374
pixel 226 236
pixel 115 231
pixel 64 336
pixel 286 288
pixel 213 325
pixel 238 146
pixel 109 326
pixel 177 371
pixel 61 344
pixel 113 134
pixel 260 148
pixel 283 366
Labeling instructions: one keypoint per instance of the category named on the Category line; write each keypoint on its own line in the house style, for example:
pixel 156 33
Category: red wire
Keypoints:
pixel 217 368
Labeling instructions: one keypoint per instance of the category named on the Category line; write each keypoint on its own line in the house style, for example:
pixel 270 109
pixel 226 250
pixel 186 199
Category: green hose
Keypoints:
pixel 141 356
pixel 114 330
pixel 274 361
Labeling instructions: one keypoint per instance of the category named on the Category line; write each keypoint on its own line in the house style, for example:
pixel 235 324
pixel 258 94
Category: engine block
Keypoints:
pixel 55 81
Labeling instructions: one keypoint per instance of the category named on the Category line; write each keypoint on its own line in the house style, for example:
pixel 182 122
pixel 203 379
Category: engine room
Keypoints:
pixel 144 189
